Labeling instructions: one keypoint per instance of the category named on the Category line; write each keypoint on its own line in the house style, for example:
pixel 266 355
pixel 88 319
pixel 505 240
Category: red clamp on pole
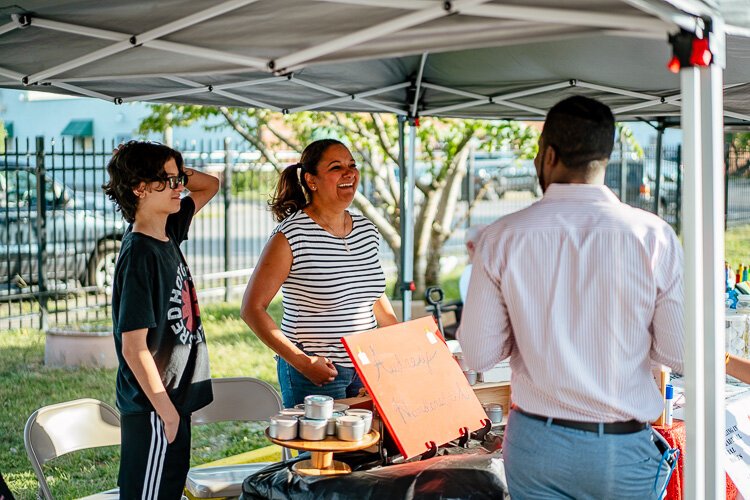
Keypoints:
pixel 700 55
pixel 674 65
pixel 689 51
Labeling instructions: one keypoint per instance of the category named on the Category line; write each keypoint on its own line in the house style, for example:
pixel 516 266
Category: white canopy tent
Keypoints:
pixel 465 58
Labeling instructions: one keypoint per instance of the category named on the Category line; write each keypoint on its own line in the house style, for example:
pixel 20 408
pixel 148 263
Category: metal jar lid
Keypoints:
pixel 313 423
pixel 284 420
pixel 340 407
pixel 293 412
pixel 350 421
pixel 359 412
pixel 316 400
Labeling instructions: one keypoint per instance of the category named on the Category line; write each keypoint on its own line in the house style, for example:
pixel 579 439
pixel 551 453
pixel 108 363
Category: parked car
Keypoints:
pixel 668 192
pixel 504 172
pixel 633 179
pixel 520 176
pixel 641 182
pixel 83 232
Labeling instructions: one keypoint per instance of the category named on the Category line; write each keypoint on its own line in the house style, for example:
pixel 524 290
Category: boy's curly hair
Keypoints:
pixel 135 162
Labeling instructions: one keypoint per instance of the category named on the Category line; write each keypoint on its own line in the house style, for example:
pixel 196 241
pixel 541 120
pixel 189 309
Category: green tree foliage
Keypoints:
pixel 628 140
pixel 373 138
pixel 3 135
pixel 741 140
pixel 739 154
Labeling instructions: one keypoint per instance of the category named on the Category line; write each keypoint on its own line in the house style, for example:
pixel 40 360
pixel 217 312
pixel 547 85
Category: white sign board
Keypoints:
pixel 737 442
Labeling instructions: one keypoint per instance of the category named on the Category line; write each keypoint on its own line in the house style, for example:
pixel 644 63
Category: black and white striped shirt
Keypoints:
pixel 330 291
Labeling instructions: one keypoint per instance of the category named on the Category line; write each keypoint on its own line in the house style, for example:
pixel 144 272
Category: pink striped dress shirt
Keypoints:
pixel 582 292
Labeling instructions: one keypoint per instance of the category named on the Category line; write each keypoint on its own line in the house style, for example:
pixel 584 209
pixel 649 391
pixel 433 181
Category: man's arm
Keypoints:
pixel 668 345
pixel 738 368
pixel 141 363
pixel 484 332
pixel 202 187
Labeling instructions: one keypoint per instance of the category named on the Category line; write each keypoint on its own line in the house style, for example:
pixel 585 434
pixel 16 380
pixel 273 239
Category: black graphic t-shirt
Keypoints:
pixel 153 289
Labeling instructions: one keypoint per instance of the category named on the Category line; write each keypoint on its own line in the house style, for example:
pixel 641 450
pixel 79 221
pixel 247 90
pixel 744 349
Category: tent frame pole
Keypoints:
pixel 414 18
pixel 360 97
pixel 175 47
pixel 406 213
pixel 83 91
pixel 712 152
pixel 703 237
pixel 136 40
pixel 692 237
pixel 338 93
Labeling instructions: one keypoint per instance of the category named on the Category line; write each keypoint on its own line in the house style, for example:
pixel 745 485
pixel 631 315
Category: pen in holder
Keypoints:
pixel 669 406
pixel 663 381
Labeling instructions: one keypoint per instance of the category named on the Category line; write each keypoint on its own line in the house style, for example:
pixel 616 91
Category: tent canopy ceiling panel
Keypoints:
pixel 466 58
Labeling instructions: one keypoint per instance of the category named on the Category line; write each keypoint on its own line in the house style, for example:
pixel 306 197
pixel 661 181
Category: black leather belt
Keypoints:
pixel 628 427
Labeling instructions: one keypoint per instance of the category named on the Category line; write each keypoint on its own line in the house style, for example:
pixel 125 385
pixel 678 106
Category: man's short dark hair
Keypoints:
pixel 580 130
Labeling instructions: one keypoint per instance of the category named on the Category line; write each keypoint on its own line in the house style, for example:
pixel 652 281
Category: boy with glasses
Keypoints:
pixel 163 375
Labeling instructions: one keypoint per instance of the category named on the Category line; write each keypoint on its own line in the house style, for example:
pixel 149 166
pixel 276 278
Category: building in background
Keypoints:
pixel 28 114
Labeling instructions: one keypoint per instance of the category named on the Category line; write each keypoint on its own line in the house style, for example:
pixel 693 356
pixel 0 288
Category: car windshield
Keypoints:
pixel 19 188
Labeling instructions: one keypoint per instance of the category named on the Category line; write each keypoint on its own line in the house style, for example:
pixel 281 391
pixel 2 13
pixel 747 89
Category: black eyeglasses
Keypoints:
pixel 175 180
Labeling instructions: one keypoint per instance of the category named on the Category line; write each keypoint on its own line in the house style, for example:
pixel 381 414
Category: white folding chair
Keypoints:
pixel 56 430
pixel 235 399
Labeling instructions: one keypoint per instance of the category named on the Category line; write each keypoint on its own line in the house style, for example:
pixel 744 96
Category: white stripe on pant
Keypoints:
pixel 155 462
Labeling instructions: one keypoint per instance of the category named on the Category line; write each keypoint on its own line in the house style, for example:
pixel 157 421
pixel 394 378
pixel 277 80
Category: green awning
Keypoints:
pixel 79 128
pixel 9 129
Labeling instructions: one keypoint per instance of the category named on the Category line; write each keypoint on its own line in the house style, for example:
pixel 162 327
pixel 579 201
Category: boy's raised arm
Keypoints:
pixel 202 187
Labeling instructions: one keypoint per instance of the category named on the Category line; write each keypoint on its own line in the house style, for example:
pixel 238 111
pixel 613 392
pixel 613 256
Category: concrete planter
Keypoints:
pixel 80 345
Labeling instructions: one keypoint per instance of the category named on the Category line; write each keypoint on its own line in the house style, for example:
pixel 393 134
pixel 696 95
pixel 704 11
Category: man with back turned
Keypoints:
pixel 582 292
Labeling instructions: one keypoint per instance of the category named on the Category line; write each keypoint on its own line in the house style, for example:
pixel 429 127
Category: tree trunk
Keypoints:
pixel 442 227
pixel 422 237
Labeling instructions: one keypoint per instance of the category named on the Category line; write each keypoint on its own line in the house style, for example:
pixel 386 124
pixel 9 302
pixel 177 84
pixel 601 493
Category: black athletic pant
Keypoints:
pixel 5 493
pixel 151 468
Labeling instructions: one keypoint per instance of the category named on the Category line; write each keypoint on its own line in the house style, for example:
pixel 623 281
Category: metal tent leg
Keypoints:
pixel 406 175
pixel 703 238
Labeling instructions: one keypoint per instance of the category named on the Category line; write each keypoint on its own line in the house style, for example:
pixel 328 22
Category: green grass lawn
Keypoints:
pixel 26 384
pixel 737 246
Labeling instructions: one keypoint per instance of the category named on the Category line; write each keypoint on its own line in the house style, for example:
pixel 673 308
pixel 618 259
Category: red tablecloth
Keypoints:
pixel 675 436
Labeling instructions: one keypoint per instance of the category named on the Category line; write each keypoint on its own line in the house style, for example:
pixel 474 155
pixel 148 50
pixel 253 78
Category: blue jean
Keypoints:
pixel 545 461
pixel 295 386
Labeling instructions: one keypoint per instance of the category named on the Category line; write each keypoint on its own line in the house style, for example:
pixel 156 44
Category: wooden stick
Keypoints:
pixel 663 380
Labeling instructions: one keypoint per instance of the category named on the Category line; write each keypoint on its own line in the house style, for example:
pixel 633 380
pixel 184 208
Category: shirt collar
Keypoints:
pixel 580 192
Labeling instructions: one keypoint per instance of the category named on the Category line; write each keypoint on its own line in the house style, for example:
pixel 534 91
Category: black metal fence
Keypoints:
pixel 651 180
pixel 59 235
pixel 737 186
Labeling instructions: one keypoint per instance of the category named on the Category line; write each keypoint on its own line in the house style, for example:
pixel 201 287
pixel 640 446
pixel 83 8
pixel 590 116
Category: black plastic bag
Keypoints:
pixel 471 477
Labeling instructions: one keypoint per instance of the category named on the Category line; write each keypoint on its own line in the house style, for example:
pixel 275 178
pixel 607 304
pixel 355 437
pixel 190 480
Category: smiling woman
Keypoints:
pixel 325 261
